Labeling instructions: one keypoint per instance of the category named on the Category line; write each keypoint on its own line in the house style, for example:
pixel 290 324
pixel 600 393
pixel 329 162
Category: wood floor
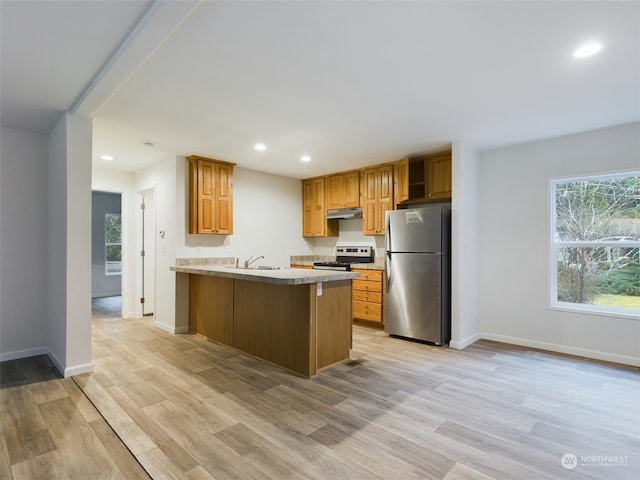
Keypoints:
pixel 188 408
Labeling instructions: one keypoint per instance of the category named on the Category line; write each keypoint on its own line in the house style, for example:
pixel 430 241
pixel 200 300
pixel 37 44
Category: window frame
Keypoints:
pixel 555 245
pixel 110 244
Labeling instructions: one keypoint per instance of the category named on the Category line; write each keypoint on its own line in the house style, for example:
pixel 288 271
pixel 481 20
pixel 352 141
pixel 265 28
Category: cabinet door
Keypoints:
pixel 223 218
pixel 314 223
pixel 370 201
pixel 401 180
pixel 343 191
pixel 310 227
pixel 439 176
pixel 334 185
pixel 377 198
pixel 206 185
pixel 351 190
pixel 210 196
pixel 386 197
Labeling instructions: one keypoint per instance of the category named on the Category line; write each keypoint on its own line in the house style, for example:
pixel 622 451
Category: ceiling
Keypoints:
pixel 348 83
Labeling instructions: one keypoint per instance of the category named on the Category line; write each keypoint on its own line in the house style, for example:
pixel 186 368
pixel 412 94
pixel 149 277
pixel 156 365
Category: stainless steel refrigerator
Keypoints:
pixel 417 264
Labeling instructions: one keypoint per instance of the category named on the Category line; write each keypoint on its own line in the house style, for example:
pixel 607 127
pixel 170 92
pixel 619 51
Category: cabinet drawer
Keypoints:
pixel 367 311
pixel 364 296
pixel 370 275
pixel 367 285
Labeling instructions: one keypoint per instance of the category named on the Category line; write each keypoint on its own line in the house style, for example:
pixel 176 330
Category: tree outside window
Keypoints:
pixel 596 243
pixel 113 244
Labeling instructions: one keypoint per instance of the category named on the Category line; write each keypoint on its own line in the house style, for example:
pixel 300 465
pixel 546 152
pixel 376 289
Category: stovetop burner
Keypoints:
pixel 345 256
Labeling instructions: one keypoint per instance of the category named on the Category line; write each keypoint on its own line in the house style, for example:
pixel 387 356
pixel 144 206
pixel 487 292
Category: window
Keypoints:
pixel 595 244
pixel 113 244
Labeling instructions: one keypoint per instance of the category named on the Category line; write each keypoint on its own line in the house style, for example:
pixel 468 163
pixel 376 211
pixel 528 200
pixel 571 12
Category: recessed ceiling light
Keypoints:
pixel 305 158
pixel 108 158
pixel 261 147
pixel 587 49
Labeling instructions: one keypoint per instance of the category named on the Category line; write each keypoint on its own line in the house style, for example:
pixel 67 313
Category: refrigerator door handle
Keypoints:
pixel 387 237
pixel 387 270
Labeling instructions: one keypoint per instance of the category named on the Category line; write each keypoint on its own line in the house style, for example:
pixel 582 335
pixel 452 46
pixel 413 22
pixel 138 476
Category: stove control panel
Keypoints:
pixel 359 252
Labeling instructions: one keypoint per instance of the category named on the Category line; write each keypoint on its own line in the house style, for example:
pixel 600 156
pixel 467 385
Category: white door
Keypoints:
pixel 148 252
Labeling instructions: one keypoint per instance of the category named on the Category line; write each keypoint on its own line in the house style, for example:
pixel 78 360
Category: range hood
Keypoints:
pixel 344 213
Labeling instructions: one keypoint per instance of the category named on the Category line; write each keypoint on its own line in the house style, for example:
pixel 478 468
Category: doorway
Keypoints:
pixel 106 249
pixel 147 250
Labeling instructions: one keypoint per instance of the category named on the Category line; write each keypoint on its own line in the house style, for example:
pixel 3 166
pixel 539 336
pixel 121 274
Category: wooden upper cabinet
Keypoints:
pixel 377 198
pixel 439 176
pixel 314 222
pixel 210 196
pixel 343 190
pixel 401 180
pixel 427 177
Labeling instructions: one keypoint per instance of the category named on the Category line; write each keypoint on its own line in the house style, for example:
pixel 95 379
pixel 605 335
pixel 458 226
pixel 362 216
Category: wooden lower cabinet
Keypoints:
pixel 211 307
pixel 367 295
pixel 288 325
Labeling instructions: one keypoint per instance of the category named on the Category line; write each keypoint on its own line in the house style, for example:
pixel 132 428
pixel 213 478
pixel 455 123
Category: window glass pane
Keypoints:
pixel 113 228
pixel 113 244
pixel 598 209
pixel 607 276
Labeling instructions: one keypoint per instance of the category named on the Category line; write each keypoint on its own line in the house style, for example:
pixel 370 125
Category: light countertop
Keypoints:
pixel 282 276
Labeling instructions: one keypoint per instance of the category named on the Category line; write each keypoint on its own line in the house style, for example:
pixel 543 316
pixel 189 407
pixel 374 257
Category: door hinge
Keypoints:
pixel 142 253
pixel 142 300
pixel 142 206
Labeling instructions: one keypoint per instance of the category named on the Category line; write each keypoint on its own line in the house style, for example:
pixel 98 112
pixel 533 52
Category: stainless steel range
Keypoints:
pixel 347 255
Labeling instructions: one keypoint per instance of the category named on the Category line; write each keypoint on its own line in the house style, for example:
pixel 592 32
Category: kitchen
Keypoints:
pixel 268 204
pixel 510 131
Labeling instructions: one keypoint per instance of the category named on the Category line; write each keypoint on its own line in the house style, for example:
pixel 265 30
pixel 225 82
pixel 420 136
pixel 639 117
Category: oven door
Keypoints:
pixel 331 266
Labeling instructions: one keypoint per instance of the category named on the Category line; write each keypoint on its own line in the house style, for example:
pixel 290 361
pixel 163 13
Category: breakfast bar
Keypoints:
pixel 297 318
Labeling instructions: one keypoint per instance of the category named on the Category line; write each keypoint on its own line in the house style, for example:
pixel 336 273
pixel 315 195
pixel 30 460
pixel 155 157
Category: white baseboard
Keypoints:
pixel 181 330
pixel 27 352
pixel 462 344
pixel 56 362
pixel 32 352
pixel 78 369
pixel 162 326
pixel 554 347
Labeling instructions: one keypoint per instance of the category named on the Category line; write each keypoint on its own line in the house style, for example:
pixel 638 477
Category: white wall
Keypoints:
pixel 45 249
pixel 513 244
pixel 23 244
pixel 164 178
pixel 56 248
pixel 68 273
pixel 123 182
pixel 78 233
pixel 464 246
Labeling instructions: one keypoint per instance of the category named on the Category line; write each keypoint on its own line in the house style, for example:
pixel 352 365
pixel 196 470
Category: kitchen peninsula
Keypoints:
pixel 296 318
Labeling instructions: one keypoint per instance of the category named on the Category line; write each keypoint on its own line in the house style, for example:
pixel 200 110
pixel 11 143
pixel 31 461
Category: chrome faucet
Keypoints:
pixel 251 260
